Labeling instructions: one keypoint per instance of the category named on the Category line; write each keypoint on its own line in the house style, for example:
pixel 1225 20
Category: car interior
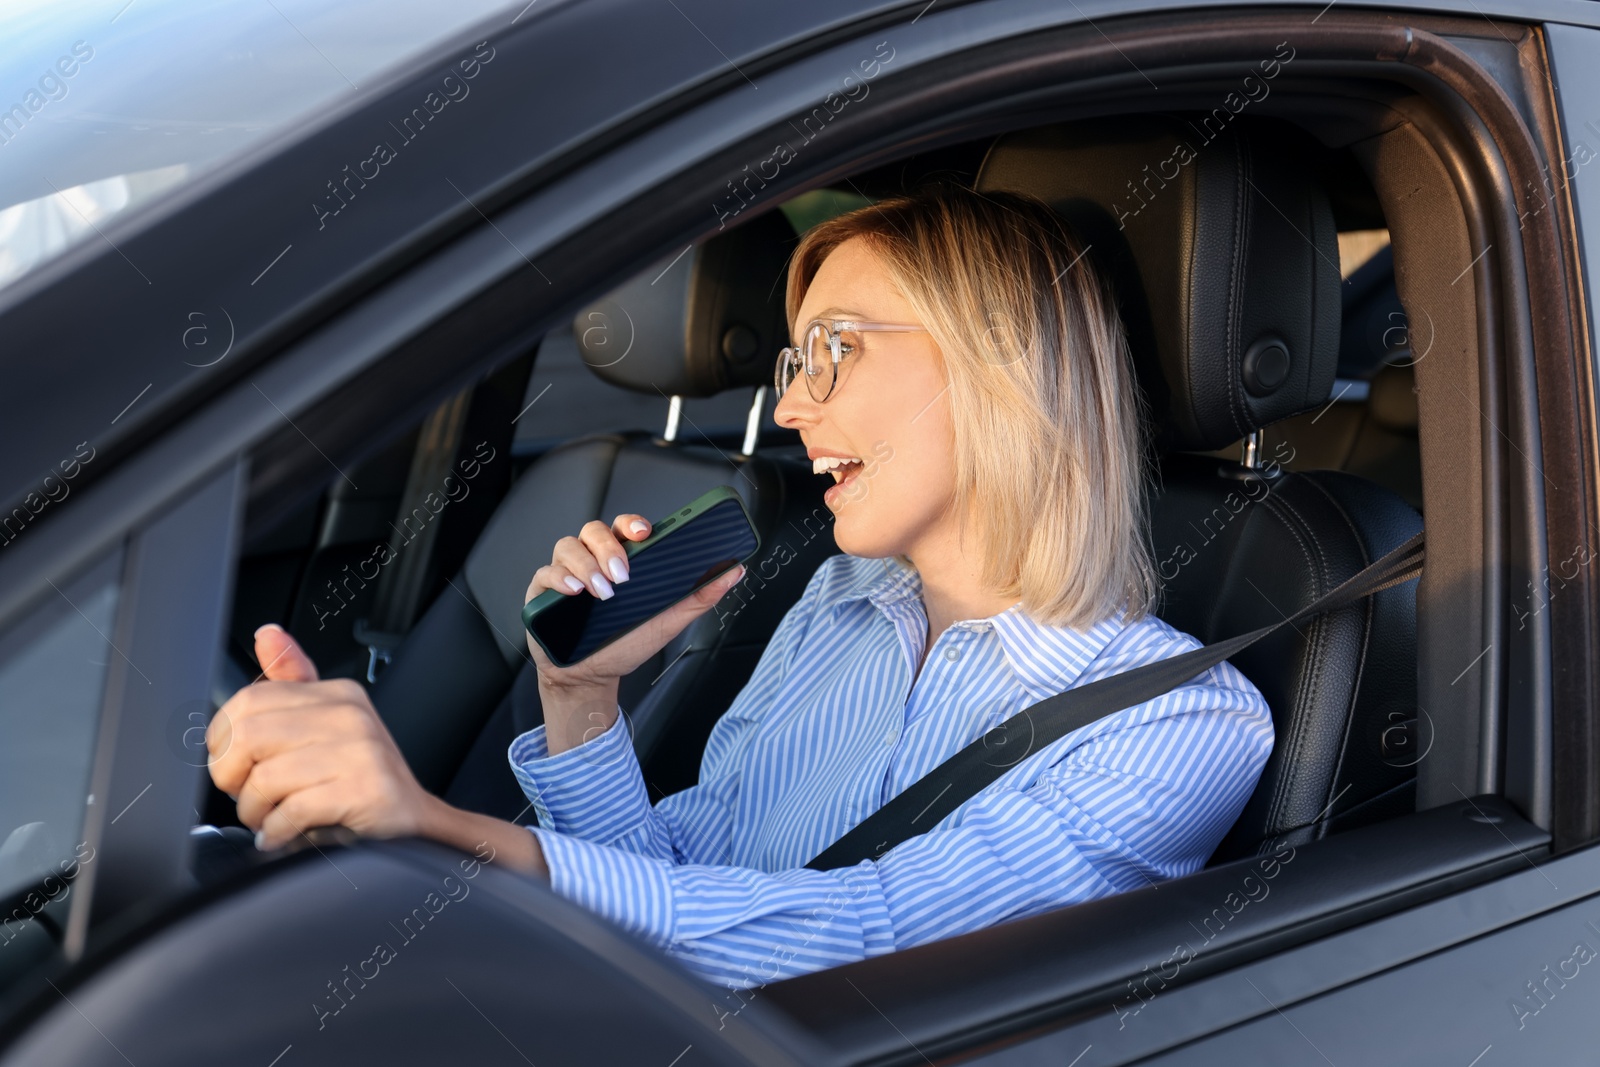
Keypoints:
pixel 1258 263
pixel 1299 419
pixel 1284 280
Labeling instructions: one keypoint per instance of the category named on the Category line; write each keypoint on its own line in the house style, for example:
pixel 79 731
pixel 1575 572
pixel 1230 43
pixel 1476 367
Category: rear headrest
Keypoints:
pixel 1219 231
pixel 708 320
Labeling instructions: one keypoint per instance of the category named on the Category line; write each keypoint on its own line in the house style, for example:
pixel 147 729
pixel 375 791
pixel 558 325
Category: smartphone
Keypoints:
pixel 689 548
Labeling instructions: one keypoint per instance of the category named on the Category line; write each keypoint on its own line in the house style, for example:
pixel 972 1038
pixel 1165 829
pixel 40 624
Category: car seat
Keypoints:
pixel 1223 254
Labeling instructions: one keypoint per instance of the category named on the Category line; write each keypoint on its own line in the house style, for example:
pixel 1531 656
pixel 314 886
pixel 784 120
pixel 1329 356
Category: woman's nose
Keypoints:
pixel 795 408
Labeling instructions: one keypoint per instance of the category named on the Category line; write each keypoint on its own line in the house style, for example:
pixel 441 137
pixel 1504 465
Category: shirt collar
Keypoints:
pixel 883 581
pixel 1046 660
pixel 1050 659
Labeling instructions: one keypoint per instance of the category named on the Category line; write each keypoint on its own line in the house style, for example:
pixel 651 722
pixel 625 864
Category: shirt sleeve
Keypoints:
pixel 596 791
pixel 1125 808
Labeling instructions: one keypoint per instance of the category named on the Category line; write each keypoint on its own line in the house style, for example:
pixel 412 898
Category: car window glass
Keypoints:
pixel 104 104
pixel 53 666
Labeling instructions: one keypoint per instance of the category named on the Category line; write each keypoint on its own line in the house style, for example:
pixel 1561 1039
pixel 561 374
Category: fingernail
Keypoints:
pixel 268 626
pixel 602 588
pixel 261 840
pixel 638 526
pixel 572 583
pixel 619 569
pixel 738 573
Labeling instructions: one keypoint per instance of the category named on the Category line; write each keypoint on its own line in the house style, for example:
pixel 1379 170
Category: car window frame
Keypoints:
pixel 176 591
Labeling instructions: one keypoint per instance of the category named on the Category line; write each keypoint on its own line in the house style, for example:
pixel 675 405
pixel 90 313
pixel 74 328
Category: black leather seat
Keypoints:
pixel 1224 256
pixel 462 686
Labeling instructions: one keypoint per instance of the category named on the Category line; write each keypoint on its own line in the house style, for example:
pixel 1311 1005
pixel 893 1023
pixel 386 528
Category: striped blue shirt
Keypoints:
pixel 834 722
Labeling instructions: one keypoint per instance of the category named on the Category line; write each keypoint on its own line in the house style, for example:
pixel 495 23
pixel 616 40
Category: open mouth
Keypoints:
pixel 841 469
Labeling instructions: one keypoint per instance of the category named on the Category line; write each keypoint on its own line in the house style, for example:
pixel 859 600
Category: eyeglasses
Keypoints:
pixel 824 343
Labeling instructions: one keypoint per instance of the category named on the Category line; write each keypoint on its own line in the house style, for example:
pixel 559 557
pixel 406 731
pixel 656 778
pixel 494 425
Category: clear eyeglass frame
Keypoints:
pixel 822 374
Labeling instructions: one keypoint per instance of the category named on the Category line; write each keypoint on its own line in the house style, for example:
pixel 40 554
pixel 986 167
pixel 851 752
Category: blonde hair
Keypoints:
pixel 1048 424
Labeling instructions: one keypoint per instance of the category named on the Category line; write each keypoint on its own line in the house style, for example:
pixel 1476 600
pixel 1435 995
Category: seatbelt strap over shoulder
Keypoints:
pixel 955 781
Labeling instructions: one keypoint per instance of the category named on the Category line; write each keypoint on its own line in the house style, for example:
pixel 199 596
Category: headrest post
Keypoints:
pixel 674 413
pixel 752 422
pixel 1250 451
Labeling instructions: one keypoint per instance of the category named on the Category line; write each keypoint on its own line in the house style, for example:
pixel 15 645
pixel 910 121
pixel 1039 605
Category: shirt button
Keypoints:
pixel 952 653
pixel 891 737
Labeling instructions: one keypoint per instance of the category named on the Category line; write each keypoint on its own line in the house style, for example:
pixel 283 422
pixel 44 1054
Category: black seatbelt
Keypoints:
pixel 949 785
pixel 397 600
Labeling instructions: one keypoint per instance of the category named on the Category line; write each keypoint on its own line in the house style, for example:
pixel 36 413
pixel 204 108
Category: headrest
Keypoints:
pixel 1222 251
pixel 709 319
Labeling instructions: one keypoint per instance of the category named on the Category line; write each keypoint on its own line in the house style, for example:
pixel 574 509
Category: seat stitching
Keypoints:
pixel 1241 411
pixel 1293 742
pixel 1369 607
pixel 1365 626
pixel 1316 638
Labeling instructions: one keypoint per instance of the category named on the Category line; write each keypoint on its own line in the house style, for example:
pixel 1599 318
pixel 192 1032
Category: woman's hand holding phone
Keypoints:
pixel 580 701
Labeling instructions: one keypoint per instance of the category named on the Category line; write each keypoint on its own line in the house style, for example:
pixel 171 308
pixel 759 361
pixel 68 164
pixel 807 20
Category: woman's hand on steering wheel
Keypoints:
pixel 296 752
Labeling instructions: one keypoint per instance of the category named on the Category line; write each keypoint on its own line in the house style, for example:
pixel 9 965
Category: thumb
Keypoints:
pixel 281 657
pixel 706 598
pixel 672 621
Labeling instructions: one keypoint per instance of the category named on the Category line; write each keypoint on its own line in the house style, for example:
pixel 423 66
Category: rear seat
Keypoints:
pixel 462 685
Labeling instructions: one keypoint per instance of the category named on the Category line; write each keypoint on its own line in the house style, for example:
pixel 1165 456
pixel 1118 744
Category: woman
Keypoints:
pixel 980 422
